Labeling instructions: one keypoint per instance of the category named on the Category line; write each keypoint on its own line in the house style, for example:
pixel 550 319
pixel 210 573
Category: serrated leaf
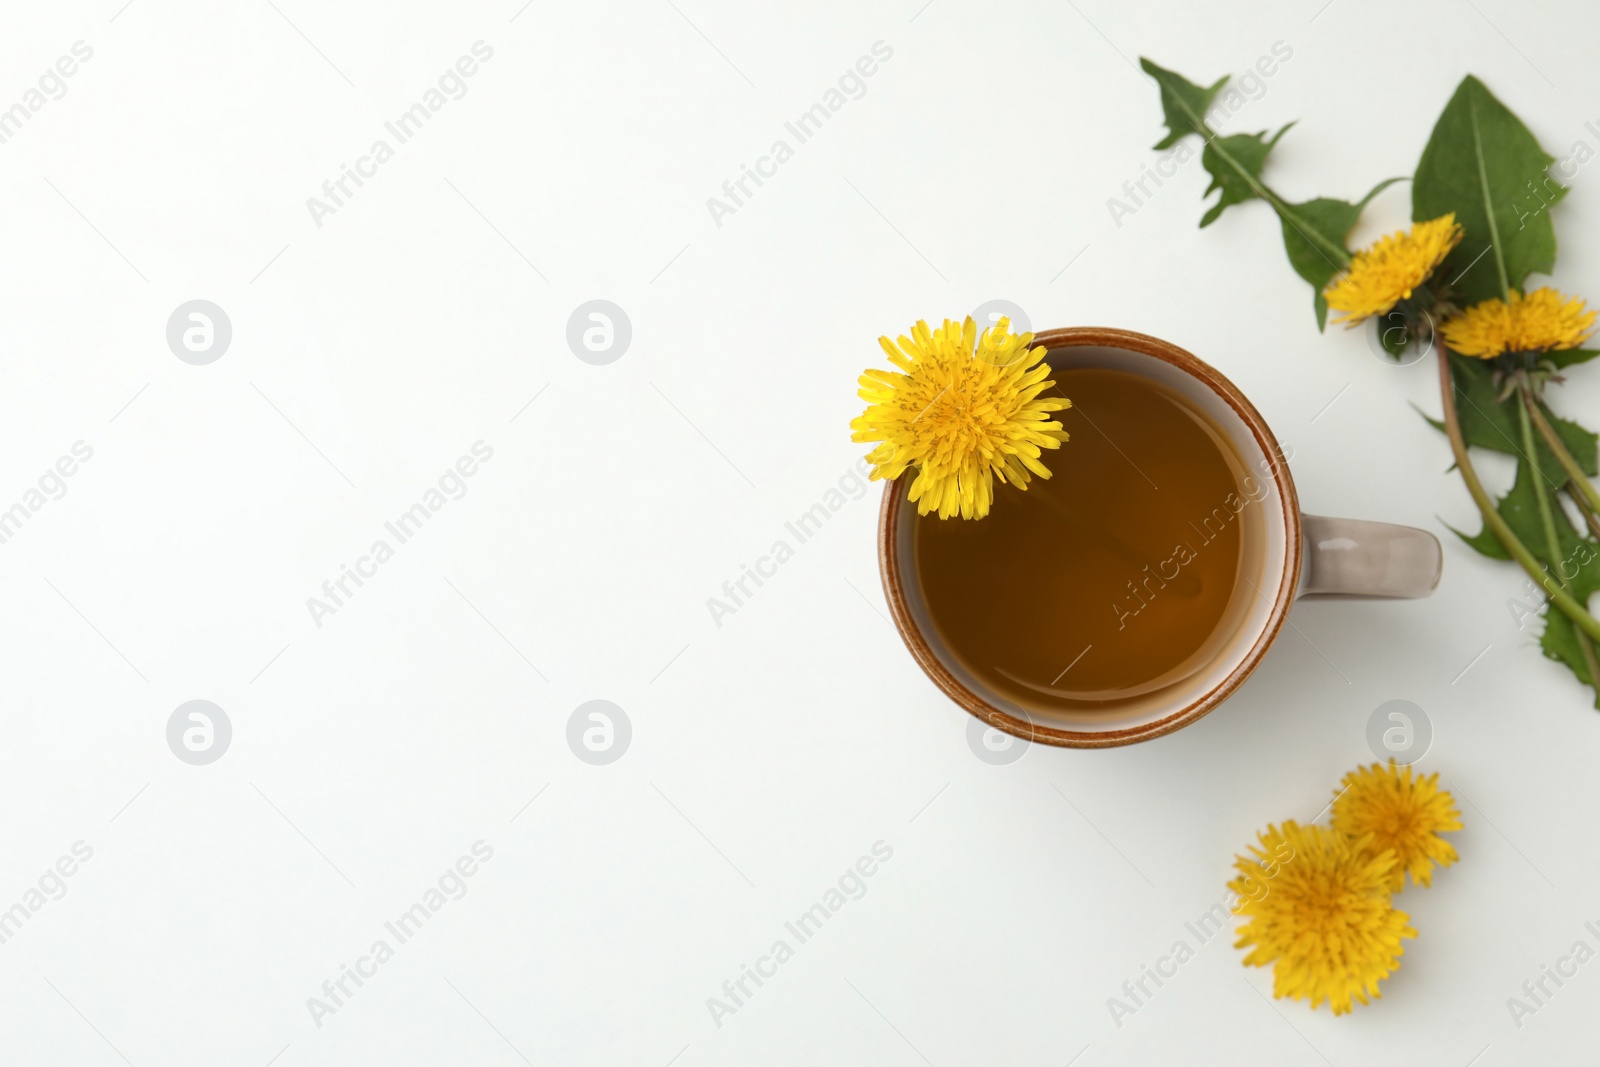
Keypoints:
pixel 1578 563
pixel 1484 542
pixel 1485 422
pixel 1560 643
pixel 1234 163
pixel 1483 164
pixel 1488 423
pixel 1183 103
pixel 1560 640
pixel 1581 444
pixel 1520 511
pixel 1579 559
pixel 1331 221
pixel 1437 424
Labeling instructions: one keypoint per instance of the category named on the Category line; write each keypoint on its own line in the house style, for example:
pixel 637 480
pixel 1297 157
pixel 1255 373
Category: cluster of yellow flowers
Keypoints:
pixel 1382 276
pixel 963 408
pixel 1326 920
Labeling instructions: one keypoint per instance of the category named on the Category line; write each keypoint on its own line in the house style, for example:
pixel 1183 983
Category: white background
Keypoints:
pixel 771 752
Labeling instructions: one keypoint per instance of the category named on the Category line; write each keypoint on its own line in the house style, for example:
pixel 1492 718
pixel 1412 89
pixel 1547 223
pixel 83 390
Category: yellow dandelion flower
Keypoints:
pixel 963 410
pixel 1320 914
pixel 1541 320
pixel 1401 813
pixel 1380 277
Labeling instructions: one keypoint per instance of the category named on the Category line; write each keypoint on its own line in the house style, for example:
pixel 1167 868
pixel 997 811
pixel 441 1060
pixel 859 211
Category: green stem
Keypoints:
pixel 1590 516
pixel 1547 520
pixel 1575 475
pixel 1536 478
pixel 1335 254
pixel 1492 518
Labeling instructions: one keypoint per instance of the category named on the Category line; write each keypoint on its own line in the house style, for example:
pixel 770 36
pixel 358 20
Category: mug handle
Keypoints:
pixel 1352 557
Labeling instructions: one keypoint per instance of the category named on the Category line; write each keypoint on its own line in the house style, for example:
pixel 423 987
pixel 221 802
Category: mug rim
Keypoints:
pixel 894 499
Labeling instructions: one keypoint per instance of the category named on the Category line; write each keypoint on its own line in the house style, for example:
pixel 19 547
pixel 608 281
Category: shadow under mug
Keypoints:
pixel 1301 555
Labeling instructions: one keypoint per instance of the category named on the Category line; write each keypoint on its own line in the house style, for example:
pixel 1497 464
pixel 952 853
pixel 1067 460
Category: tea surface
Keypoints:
pixel 1117 576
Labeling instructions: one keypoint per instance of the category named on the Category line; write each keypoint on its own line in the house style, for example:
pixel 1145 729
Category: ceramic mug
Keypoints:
pixel 1302 555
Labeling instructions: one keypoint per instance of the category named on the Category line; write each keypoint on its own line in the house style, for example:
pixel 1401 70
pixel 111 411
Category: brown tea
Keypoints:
pixel 1119 575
